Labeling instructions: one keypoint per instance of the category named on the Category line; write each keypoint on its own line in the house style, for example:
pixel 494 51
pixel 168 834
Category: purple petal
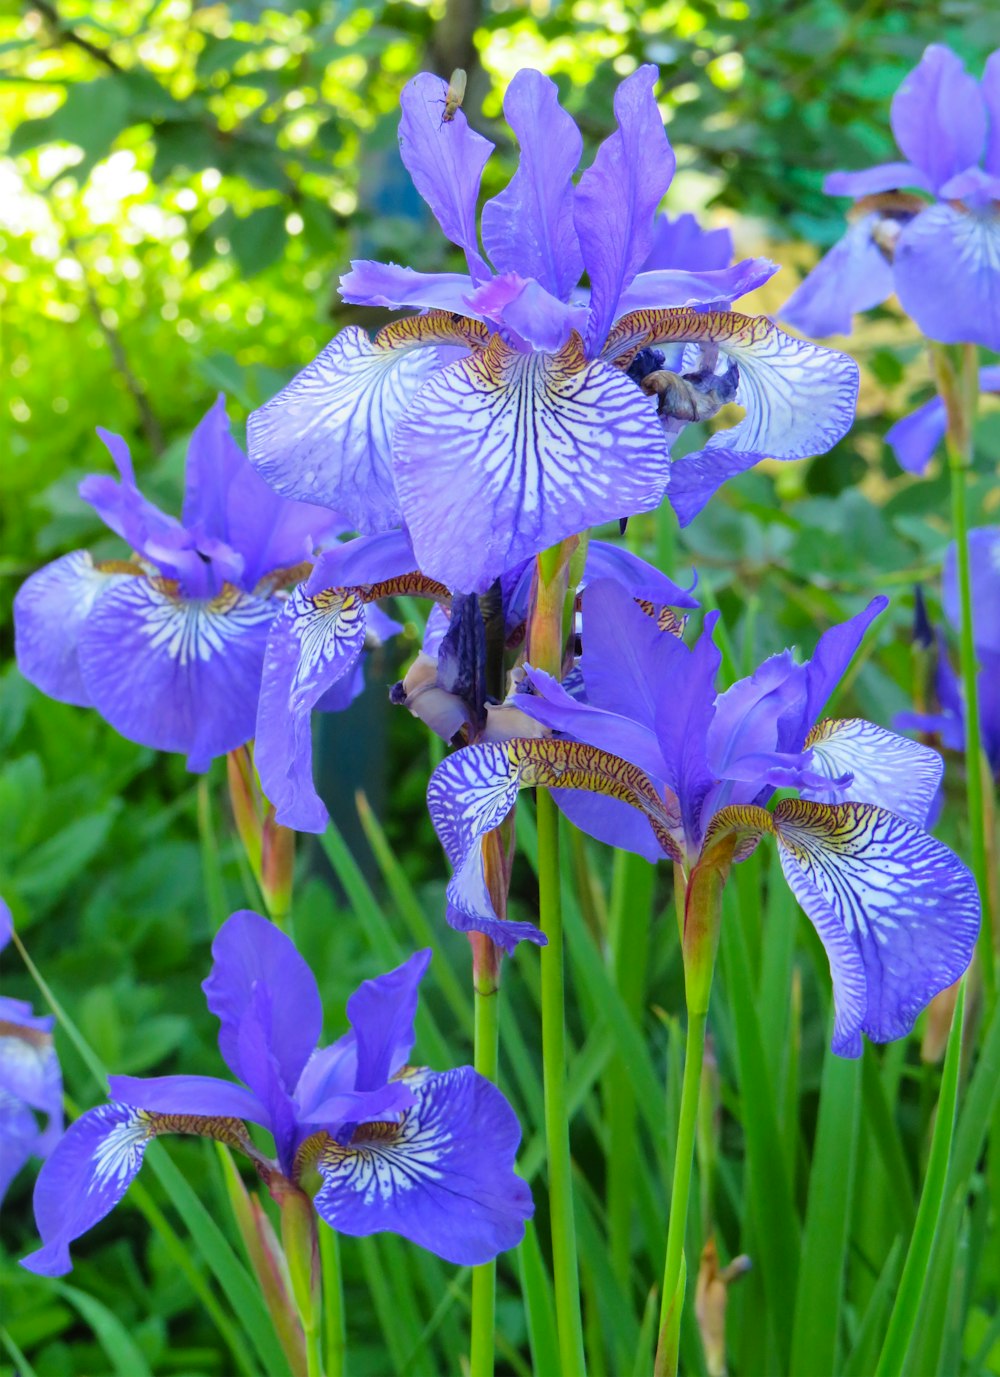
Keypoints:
pixel 751 717
pixel 618 732
pixel 84 1178
pixel 386 284
pixel 872 181
pixel 528 228
pixel 50 608
pixel 973 186
pixel 213 462
pixel 897 912
pixel 683 717
pixel 682 287
pixel 989 707
pixel 939 117
pixel 250 955
pixel 381 1012
pixel 947 274
pixel 610 821
pixel 834 652
pixel 854 276
pixel 263 1071
pixel 607 561
pixel 627 662
pixel 914 438
pixel 990 87
pixel 327 436
pixel 984 577
pixel 505 454
pixel 444 1178
pixel 504 932
pixel 6 923
pixel 698 476
pixel 887 770
pixel 445 161
pixel 29 1067
pixel 359 1106
pixel 537 317
pixel 176 674
pixel 363 561
pixel 314 643
pixel 682 243
pixel 617 197
pixel 206 1096
pixel 19 1140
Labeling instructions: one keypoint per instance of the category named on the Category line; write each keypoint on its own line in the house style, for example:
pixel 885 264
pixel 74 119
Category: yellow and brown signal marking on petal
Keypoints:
pixel 412 585
pixel 555 764
pixel 435 327
pixel 222 1129
pixel 666 619
pixel 683 325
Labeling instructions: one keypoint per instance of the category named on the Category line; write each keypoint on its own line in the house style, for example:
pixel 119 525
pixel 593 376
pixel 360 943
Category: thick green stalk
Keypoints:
pixel 546 643
pixel 959 391
pixel 931 1212
pixel 486 1059
pixel 334 1321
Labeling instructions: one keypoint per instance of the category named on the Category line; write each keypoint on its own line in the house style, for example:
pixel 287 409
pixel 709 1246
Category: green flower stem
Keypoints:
pixel 334 1320
pixel 959 389
pixel 300 1240
pixel 546 644
pixel 486 996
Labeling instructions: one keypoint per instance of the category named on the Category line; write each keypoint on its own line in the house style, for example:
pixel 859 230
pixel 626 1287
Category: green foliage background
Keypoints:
pixel 182 186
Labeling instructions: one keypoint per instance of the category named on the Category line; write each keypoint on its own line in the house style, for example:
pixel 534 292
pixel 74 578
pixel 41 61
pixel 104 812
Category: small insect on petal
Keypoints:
pixel 455 96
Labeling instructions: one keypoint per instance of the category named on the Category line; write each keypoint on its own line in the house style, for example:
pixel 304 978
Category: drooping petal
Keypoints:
pixel 327 436
pixel 249 954
pixel 445 161
pixel 176 674
pixel 29 1067
pixel 938 115
pixel 610 821
pixel 984 577
pixel 697 477
pixel 201 1095
pixel 404 289
pixel 678 287
pixel 528 228
pixel 50 609
pixel 314 644
pixel 443 1177
pixel 853 277
pixel 84 1178
pixel 947 274
pixel 914 438
pixel 503 454
pixel 873 181
pixel 381 1012
pixel 990 87
pixel 19 1139
pixel 897 912
pixel 888 770
pixel 680 242
pixel 617 197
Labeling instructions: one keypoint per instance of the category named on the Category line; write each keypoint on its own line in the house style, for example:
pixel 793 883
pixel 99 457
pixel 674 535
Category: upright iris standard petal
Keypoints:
pixel 251 954
pixel 947 273
pixel 984 575
pixel 442 1177
pixel 680 242
pixel 445 161
pixel 84 1178
pixel 617 197
pixel 886 769
pixel 939 117
pixel 834 651
pixel 896 910
pixel 528 228
pixel 505 453
pixel 854 276
pixel 50 610
pixel 173 673
pixel 314 643
pixel 327 436
pixel 381 1012
pixel 214 461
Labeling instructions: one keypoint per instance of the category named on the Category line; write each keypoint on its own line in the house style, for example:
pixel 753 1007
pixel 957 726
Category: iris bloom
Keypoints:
pixel 940 256
pixel 168 643
pixel 519 408
pixel 30 1080
pixel 914 438
pixel 896 911
pixel 315 644
pixel 948 720
pixel 424 1154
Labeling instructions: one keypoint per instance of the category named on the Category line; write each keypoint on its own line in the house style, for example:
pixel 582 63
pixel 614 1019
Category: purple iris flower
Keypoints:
pixel 520 408
pixel 424 1154
pixel 30 1080
pixel 315 644
pixel 682 243
pixel 896 910
pixel 947 721
pixel 168 643
pixel 914 438
pixel 942 256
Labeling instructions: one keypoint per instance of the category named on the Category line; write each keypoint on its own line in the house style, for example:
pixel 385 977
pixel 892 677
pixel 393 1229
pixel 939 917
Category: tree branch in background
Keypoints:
pixel 64 34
